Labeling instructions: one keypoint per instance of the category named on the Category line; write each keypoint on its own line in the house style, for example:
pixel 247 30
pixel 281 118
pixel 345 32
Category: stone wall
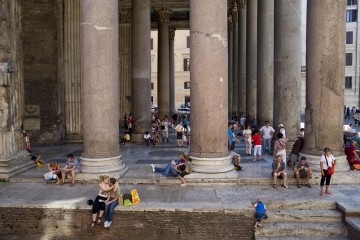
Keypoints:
pixel 36 223
pixel 41 38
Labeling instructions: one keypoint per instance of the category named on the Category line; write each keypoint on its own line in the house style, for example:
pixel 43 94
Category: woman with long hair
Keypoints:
pixel 112 201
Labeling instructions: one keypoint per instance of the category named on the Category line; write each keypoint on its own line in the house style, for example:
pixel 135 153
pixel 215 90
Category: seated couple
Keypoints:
pixel 72 167
pixel 180 168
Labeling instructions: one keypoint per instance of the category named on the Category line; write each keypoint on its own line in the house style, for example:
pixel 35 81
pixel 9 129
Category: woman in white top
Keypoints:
pixel 247 139
pixel 327 160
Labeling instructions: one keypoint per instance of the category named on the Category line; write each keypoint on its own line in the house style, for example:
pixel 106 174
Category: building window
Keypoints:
pixel 351 15
pixel 348 82
pixel 349 37
pixel 351 2
pixel 187 85
pixel 188 41
pixel 152 44
pixel 152 99
pixel 186 64
pixel 348 59
pixel 152 86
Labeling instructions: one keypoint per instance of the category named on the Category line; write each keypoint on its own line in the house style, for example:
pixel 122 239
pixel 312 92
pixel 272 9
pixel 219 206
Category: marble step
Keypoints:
pixel 302 238
pixel 309 230
pixel 317 216
pixel 310 204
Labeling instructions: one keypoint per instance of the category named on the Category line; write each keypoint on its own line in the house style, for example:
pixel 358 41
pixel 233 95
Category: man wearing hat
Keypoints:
pixel 282 129
pixel 302 170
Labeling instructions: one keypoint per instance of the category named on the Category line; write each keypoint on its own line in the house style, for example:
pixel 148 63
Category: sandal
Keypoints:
pixel 299 185
pixel 308 185
pixel 93 224
pixel 284 186
pixel 321 194
pixel 329 193
pixel 274 186
pixel 99 221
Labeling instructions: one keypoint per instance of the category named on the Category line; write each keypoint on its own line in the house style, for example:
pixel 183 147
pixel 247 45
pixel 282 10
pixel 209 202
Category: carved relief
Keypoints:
pixel 32 110
pixel 125 16
pixel 5 70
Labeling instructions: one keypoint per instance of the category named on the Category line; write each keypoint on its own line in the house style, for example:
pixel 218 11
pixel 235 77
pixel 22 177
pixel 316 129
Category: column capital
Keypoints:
pixel 125 16
pixel 172 33
pixel 163 14
pixel 242 3
pixel 234 10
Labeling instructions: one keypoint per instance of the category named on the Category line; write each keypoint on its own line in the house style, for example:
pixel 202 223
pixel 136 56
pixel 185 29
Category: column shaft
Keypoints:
pixel 230 65
pixel 242 57
pixel 163 61
pixel 208 46
pixel 172 71
pixel 287 63
pixel 235 51
pixel 100 69
pixel 251 59
pixel 140 68
pixel 265 61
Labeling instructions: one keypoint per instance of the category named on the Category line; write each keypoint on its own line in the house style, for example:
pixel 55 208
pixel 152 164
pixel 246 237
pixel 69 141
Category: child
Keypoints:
pixel 260 213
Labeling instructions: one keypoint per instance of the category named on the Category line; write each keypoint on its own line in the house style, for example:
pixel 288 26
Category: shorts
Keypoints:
pixel 260 216
pixel 257 149
pixel 179 135
pixel 294 157
pixel 99 204
pixel 182 174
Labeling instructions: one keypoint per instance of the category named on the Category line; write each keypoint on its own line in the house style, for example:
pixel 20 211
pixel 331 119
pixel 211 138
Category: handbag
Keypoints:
pixel 330 170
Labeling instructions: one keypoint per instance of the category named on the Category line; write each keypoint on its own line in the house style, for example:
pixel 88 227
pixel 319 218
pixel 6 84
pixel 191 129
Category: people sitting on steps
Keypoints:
pixel 302 171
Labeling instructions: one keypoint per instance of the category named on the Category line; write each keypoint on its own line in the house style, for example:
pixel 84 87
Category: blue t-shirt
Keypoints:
pixel 185 122
pixel 74 163
pixel 230 135
pixel 260 207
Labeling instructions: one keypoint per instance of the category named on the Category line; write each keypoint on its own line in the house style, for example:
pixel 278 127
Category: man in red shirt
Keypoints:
pixel 351 154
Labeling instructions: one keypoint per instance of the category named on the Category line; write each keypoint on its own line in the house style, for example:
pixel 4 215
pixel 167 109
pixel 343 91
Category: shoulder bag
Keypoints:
pixel 330 170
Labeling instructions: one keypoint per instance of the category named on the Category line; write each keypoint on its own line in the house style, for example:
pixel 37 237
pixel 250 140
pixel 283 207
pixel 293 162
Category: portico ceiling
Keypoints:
pixel 180 8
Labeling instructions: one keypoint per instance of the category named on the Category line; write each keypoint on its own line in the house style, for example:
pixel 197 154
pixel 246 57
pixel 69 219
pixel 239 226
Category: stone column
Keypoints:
pixel 242 56
pixel 251 59
pixel 230 65
pixel 265 61
pixel 141 68
pixel 235 51
pixel 287 68
pixel 125 63
pixel 13 157
pixel 72 71
pixel 208 46
pixel 100 60
pixel 163 15
pixel 325 69
pixel 172 70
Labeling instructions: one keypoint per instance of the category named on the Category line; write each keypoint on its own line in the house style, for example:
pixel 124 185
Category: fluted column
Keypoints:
pixel 235 51
pixel 230 65
pixel 141 68
pixel 125 62
pixel 242 56
pixel 251 59
pixel 100 72
pixel 287 67
pixel 163 15
pixel 325 69
pixel 265 61
pixel 208 46
pixel 172 70
pixel 72 71
pixel 13 157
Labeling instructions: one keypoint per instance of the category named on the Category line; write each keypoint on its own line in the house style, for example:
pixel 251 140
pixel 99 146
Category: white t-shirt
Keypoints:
pixel 147 136
pixel 329 160
pixel 282 130
pixel 266 131
pixel 165 123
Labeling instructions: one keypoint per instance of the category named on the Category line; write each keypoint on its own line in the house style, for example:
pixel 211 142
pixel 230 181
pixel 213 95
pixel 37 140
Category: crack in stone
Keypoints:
pixel 218 36
pixel 96 26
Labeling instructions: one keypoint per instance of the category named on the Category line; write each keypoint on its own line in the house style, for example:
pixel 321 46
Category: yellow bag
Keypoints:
pixel 135 196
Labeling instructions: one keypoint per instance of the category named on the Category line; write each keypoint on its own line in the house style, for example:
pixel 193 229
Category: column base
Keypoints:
pixel 211 165
pixel 226 175
pixel 11 165
pixel 138 137
pixel 92 168
pixel 342 175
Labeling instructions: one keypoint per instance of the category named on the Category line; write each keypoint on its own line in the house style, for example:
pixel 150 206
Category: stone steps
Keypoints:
pixel 308 230
pixel 310 204
pixel 324 216
pixel 302 238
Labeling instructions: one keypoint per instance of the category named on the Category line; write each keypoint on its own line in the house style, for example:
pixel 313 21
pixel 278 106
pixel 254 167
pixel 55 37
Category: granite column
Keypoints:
pixel 287 67
pixel 242 57
pixel 100 72
pixel 208 43
pixel 265 61
pixel 325 71
pixel 235 52
pixel 230 65
pixel 163 15
pixel 172 70
pixel 251 59
pixel 141 68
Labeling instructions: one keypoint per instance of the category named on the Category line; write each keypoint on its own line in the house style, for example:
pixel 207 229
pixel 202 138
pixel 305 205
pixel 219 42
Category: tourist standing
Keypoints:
pixel 267 132
pixel 247 139
pixel 256 140
pixel 327 160
pixel 165 129
pixel 279 146
pixel 296 149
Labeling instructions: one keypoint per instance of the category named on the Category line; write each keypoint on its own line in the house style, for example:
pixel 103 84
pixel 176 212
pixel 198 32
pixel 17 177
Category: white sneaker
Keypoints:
pixel 106 224
pixel 173 162
pixel 183 184
pixel 153 167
